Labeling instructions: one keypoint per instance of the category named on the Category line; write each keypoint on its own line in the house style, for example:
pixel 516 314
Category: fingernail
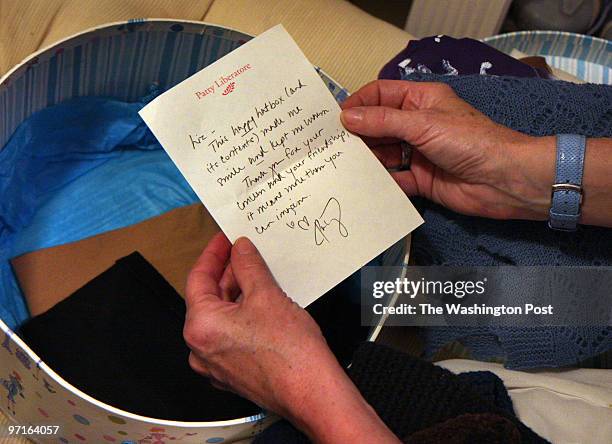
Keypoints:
pixel 352 116
pixel 244 246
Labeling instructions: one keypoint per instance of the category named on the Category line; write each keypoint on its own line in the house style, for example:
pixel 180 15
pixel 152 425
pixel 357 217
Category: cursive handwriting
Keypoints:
pixel 330 216
pixel 272 152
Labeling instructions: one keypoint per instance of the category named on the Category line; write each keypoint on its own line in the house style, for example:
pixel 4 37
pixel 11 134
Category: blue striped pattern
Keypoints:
pixel 120 62
pixel 588 58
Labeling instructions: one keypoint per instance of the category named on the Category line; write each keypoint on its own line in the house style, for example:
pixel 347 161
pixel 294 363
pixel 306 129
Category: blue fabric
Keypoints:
pixel 538 107
pixel 74 170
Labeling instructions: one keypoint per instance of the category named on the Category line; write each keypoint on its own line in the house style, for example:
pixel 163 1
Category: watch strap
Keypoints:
pixel 566 196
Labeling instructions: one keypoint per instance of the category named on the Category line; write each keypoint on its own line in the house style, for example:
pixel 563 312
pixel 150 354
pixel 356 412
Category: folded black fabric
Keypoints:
pixel 482 428
pixel 411 395
pixel 338 313
pixel 489 387
pixel 485 428
pixel 119 339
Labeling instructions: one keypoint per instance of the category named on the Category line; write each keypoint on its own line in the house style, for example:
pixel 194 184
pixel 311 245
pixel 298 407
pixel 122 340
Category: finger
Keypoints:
pixel 389 155
pixel 219 385
pixel 198 366
pixel 407 182
pixel 399 94
pixel 379 141
pixel 382 121
pixel 417 181
pixel 229 286
pixel 249 268
pixel 203 280
pixel 391 93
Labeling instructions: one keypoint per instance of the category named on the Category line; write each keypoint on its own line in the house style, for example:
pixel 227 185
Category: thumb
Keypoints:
pixel 249 268
pixel 382 121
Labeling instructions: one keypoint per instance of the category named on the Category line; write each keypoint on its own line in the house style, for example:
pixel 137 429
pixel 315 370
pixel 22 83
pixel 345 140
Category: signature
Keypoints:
pixel 330 219
pixel 330 216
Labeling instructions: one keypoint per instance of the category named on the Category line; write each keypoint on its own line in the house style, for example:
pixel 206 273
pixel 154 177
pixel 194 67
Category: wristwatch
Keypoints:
pixel 567 193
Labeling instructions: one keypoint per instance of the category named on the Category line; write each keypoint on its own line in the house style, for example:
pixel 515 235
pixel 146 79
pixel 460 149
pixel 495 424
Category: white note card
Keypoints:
pixel 258 136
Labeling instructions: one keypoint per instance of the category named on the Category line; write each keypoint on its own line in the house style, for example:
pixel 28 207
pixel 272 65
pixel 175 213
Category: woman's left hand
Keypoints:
pixel 461 158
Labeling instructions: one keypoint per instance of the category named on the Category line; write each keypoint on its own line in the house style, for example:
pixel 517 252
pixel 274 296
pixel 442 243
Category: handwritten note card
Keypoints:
pixel 258 136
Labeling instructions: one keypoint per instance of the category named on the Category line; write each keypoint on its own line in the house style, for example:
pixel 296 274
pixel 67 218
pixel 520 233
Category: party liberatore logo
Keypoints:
pixel 225 83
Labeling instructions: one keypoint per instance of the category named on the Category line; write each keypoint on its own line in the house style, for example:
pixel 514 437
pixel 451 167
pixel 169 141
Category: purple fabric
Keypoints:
pixel 449 56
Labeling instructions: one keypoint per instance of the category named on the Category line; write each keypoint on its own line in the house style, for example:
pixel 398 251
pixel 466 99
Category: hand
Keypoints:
pixel 244 332
pixel 462 159
pixel 247 336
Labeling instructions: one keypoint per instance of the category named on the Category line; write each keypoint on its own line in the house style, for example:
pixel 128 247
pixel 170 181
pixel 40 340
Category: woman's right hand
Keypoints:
pixel 248 336
pixel 461 158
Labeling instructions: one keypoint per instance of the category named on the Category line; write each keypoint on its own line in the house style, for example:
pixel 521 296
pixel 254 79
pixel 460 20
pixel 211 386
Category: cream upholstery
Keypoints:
pixel 349 44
